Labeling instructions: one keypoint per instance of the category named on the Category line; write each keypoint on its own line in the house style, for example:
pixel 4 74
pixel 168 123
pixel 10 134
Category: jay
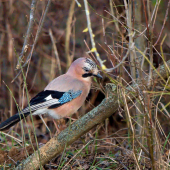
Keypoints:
pixel 63 96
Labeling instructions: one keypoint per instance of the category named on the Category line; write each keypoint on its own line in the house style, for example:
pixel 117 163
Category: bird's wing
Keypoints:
pixel 51 99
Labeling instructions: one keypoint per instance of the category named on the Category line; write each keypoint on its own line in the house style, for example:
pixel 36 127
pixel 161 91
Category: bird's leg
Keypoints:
pixel 58 130
pixel 45 125
pixel 70 118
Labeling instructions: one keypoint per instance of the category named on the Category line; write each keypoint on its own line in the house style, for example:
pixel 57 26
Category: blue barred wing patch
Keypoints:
pixel 68 96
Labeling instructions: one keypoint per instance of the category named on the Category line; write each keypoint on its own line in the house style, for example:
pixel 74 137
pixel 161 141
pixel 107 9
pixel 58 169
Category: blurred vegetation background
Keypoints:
pixel 150 25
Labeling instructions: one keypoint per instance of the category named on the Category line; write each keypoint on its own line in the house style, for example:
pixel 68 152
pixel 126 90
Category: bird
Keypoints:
pixel 63 96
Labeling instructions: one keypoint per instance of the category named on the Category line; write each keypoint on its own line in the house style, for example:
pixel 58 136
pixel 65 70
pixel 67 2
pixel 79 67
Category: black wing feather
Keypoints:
pixel 40 97
pixel 54 106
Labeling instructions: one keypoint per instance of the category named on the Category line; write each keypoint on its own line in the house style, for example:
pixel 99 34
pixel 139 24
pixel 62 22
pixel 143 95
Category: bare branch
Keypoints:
pixel 36 38
pixel 29 30
pixel 91 34
pixel 68 33
pixel 124 58
pixel 55 51
pixel 165 19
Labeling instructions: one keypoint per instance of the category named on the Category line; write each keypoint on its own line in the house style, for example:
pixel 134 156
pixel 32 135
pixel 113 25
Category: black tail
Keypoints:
pixel 12 121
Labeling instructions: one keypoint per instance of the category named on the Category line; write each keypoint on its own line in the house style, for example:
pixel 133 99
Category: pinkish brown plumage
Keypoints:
pixel 63 96
pixel 68 82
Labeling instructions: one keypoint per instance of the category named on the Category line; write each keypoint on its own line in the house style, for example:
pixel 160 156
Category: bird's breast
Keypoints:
pixel 69 108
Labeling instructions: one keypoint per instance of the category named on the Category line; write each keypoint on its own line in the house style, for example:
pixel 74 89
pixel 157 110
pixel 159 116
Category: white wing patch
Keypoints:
pixel 49 97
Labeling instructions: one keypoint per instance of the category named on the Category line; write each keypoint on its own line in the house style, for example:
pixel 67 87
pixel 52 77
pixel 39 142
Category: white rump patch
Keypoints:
pixel 40 111
pixel 47 111
pixel 53 114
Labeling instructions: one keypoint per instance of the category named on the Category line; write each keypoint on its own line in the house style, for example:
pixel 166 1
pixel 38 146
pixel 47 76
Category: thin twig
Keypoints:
pixel 124 58
pixel 77 153
pixel 149 83
pixel 146 18
pixel 17 140
pixel 116 23
pixel 154 11
pixel 131 126
pixel 124 68
pixel 29 30
pixel 165 19
pixel 55 51
pixel 36 38
pixel 91 34
pixel 45 125
pixel 68 33
pixel 79 5
pixel 128 9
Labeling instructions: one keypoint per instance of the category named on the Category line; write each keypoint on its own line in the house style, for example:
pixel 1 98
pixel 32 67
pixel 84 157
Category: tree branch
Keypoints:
pixel 107 107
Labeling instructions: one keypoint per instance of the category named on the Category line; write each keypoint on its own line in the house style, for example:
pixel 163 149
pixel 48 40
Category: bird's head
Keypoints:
pixel 84 68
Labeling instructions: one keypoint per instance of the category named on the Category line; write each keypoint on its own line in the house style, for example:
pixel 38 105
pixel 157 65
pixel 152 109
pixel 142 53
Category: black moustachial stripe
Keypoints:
pixel 87 75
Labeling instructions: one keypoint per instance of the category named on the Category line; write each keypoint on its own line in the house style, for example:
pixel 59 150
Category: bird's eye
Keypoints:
pixel 86 69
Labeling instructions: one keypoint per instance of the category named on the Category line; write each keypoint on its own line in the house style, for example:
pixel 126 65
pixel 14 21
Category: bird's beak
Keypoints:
pixel 98 75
